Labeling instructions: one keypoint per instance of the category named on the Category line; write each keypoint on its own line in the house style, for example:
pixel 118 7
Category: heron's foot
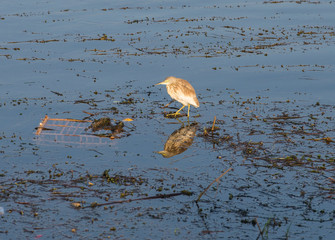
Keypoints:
pixel 173 115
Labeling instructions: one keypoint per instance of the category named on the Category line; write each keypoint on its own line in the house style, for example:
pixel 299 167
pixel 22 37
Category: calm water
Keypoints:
pixel 265 69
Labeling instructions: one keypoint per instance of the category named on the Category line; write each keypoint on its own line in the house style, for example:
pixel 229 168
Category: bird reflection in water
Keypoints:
pixel 179 141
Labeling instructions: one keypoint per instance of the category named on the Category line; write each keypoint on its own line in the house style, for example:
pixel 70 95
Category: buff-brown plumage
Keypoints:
pixel 182 91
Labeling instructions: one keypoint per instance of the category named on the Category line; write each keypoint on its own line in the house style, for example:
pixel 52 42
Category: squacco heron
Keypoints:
pixel 182 91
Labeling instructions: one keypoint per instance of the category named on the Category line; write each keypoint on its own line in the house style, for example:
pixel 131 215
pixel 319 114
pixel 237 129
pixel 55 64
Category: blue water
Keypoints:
pixel 232 52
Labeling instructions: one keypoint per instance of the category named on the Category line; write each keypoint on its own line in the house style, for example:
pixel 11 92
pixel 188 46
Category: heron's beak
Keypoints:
pixel 163 153
pixel 161 83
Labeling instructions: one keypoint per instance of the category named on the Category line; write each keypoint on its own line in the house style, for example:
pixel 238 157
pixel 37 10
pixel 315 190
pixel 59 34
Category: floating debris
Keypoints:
pixel 76 205
pixel 98 131
pixel 2 211
pixel 101 124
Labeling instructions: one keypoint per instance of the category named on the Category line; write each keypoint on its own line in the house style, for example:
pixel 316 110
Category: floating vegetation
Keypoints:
pixel 262 141
pixel 121 180
pixel 127 101
pixel 101 124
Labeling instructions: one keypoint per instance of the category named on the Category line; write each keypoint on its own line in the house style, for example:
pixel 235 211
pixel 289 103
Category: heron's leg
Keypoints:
pixel 179 110
pixel 188 112
pixel 176 113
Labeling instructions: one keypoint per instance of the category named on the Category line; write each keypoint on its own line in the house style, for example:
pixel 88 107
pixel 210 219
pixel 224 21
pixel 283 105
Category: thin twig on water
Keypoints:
pixel 216 180
pixel 259 228
pixel 140 199
pixel 213 126
pixel 168 104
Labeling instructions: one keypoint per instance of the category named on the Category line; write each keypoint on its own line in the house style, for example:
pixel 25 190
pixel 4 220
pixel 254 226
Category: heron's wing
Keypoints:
pixel 183 92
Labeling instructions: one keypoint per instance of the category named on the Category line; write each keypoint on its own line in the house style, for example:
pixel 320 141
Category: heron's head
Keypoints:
pixel 166 154
pixel 167 81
